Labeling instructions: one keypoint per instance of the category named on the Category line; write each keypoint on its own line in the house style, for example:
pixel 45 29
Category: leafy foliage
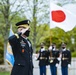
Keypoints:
pixel 39 30
pixel 74 54
pixel 42 34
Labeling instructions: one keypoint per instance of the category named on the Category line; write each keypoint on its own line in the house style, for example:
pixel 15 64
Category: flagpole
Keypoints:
pixel 50 24
pixel 50 28
pixel 49 32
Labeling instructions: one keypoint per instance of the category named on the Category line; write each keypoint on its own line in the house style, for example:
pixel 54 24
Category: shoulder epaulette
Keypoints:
pixel 17 35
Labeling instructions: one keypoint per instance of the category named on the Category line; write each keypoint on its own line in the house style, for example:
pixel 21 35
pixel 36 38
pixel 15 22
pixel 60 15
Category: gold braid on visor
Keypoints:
pixel 24 25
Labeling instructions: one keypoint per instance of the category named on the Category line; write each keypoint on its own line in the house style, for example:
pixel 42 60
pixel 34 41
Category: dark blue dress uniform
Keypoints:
pixel 65 60
pixel 53 61
pixel 22 52
pixel 43 61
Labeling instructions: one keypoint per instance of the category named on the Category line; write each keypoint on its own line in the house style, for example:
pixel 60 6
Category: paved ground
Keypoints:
pixel 72 69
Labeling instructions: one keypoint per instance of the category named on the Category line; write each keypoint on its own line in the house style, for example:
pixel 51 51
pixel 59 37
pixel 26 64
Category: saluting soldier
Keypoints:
pixel 65 59
pixel 53 59
pixel 22 50
pixel 43 59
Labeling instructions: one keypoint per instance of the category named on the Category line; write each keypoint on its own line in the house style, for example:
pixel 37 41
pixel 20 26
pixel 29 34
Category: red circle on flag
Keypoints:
pixel 58 16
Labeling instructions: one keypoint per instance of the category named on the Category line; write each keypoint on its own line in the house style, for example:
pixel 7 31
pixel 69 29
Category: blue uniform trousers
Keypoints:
pixel 64 70
pixel 53 70
pixel 42 70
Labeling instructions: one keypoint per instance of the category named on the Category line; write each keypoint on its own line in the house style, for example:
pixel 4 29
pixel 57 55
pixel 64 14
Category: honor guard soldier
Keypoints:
pixel 65 59
pixel 43 59
pixel 53 59
pixel 22 50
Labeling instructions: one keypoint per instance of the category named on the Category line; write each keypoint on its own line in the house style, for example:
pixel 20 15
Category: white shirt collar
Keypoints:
pixel 64 49
pixel 54 49
pixel 42 49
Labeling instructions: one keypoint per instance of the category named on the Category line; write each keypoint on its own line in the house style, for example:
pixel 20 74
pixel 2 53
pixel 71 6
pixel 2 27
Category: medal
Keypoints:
pixel 22 50
pixel 22 43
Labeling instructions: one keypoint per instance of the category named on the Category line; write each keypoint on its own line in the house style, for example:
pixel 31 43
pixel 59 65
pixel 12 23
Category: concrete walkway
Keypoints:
pixel 71 70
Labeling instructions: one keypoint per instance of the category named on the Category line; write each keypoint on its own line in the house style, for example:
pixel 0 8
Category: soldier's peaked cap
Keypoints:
pixel 23 23
pixel 64 44
pixel 42 44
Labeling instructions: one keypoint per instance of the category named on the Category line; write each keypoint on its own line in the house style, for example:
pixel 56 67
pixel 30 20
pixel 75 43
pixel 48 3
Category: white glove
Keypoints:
pixel 47 66
pixel 24 30
pixel 69 65
pixel 57 65
pixel 36 56
pixel 50 48
pixel 59 59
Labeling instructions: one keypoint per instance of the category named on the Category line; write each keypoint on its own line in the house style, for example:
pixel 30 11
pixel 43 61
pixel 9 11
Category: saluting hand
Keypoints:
pixel 24 30
pixel 69 65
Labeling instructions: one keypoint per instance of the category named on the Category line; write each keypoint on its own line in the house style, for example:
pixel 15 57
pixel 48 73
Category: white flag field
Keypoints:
pixel 62 18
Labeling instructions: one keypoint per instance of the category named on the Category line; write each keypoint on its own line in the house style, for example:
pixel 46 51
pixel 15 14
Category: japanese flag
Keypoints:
pixel 59 17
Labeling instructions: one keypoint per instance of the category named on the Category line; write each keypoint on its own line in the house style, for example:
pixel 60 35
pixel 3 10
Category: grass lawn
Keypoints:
pixel 4 73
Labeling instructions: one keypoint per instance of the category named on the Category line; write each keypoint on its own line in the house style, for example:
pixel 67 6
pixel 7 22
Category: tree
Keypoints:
pixel 1 50
pixel 37 10
pixel 63 2
pixel 8 11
